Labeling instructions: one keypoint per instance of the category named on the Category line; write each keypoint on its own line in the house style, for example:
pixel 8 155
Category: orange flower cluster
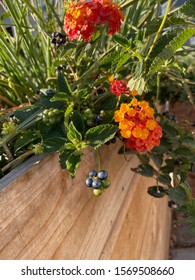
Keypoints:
pixel 138 126
pixel 83 17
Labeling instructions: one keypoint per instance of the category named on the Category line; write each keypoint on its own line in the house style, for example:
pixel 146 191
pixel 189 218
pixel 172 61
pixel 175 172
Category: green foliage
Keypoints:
pixel 99 135
pixel 72 163
pixel 157 191
pixel 188 9
pixel 145 170
pixel 170 49
pixel 73 79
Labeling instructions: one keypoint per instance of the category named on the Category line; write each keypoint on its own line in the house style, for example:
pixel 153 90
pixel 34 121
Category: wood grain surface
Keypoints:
pixel 44 214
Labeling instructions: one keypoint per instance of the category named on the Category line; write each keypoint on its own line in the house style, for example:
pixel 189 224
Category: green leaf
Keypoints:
pixel 170 49
pixel 170 162
pixel 143 158
pixel 83 93
pixel 69 146
pixel 67 114
pixel 63 85
pixel 172 20
pixel 24 139
pixel 62 96
pixel 187 190
pixel 183 151
pixel 24 113
pixel 157 159
pixel 121 39
pixel 188 9
pixel 73 134
pixel 169 129
pixel 122 61
pixel 99 135
pixel 72 163
pixel 145 170
pixel 45 102
pixel 53 144
pixel 138 84
pixel 164 179
pixel 108 59
pixel 162 42
pixel 63 156
pixel 109 103
pixel 157 191
pixel 177 194
pixel 78 122
pixel 188 140
pixel 167 169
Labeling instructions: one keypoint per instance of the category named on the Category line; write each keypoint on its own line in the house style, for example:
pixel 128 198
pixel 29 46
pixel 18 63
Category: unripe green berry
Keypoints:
pixel 90 123
pixel 106 183
pixel 51 114
pixel 88 112
pixel 97 192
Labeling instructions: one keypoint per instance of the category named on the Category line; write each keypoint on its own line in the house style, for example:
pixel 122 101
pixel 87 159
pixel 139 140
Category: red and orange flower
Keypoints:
pixel 83 17
pixel 138 126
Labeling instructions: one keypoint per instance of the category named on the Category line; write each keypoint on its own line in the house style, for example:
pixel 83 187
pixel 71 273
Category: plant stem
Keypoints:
pixel 8 153
pixel 6 100
pixel 160 28
pixel 98 159
pixel 157 87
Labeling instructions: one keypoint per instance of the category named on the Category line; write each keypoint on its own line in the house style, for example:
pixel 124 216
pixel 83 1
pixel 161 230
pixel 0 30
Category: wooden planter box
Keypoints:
pixel 47 215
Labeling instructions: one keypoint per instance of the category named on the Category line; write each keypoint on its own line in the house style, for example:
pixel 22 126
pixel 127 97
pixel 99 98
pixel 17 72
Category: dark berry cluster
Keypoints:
pixel 58 39
pixel 173 204
pixel 112 141
pixel 170 116
pixel 51 116
pixel 98 181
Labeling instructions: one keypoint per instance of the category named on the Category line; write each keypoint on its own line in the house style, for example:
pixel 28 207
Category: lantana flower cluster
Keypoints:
pixel 138 126
pixel 83 17
pixel 118 87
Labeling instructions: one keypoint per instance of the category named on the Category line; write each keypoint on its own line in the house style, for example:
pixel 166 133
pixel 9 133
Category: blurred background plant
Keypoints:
pixel 55 92
pixel 27 57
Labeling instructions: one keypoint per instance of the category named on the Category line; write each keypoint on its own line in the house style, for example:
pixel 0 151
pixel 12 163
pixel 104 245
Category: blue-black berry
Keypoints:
pixel 96 184
pixel 102 174
pixel 93 173
pixel 99 118
pixel 49 92
pixel 113 140
pixel 89 182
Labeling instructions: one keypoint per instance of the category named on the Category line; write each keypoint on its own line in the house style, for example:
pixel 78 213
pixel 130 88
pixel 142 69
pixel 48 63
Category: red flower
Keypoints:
pixel 119 87
pixel 82 18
